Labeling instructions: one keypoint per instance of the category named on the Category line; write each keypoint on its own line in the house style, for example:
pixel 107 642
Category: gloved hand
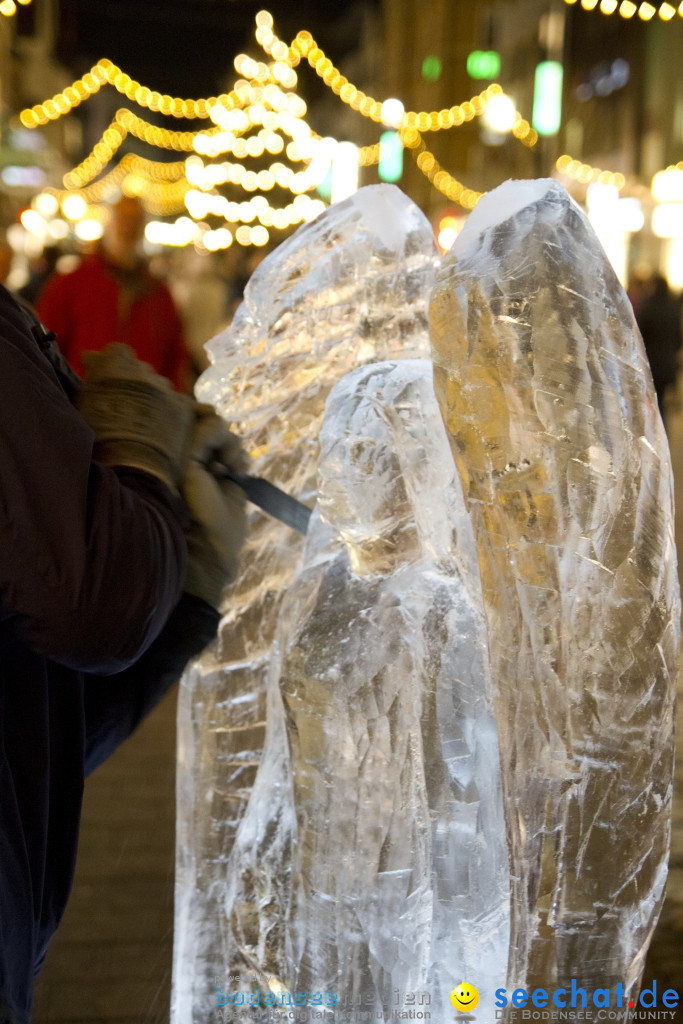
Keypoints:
pixel 138 419
pixel 217 508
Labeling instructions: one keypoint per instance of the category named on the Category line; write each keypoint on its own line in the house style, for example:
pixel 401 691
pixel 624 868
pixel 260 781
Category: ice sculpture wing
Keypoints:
pixel 349 288
pixel 553 420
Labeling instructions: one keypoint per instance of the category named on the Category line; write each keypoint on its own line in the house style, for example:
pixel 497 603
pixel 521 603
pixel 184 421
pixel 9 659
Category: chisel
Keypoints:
pixel 267 496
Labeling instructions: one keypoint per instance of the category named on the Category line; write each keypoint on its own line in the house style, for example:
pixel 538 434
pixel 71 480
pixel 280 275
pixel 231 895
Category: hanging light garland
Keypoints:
pixel 412 123
pixel 627 9
pixel 255 118
pixel 587 175
pixel 9 7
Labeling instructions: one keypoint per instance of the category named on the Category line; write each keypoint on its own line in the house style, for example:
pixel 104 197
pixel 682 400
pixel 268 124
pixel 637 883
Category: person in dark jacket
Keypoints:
pixel 659 320
pixel 109 582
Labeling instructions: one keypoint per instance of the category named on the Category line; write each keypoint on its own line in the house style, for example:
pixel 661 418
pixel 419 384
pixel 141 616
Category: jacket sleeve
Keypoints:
pixel 92 559
pixel 116 705
pixel 53 305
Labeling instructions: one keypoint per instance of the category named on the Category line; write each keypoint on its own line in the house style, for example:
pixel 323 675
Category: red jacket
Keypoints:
pixel 98 303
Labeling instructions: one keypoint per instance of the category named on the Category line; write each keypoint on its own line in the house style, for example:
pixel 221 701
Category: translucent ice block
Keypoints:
pixel 349 288
pixel 548 399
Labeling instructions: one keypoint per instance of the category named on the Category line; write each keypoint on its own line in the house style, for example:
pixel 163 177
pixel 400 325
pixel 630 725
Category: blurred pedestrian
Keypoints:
pixel 113 297
pixel 41 267
pixel 659 320
pixel 639 287
pixel 200 292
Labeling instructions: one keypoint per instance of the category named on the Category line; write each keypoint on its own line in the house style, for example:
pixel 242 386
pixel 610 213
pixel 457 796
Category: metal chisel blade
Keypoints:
pixel 267 496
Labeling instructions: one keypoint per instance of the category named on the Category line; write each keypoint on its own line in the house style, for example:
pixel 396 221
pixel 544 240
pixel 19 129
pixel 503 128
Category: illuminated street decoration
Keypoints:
pixel 390 167
pixel 9 7
pixel 645 11
pixel 261 115
pixel 432 68
pixel 585 173
pixel 483 64
pixel 547 109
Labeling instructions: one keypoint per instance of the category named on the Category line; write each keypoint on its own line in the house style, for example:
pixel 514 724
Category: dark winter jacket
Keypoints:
pixel 659 320
pixel 94 629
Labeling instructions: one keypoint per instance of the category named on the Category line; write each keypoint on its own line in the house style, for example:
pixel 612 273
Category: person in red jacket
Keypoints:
pixel 113 297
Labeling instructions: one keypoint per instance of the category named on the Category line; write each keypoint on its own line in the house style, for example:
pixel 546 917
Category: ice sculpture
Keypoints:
pixel 349 288
pixel 547 397
pixel 378 737
pixel 374 844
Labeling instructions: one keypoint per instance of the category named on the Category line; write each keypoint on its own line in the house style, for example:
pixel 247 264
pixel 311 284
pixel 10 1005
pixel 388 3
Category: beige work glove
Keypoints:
pixel 138 419
pixel 217 508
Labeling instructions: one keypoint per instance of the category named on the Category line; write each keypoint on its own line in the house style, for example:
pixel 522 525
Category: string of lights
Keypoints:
pixel 412 123
pixel 435 173
pixel 128 175
pixel 127 122
pixel 255 118
pixel 441 179
pixel 304 45
pixel 586 175
pixel 627 9
pixel 9 7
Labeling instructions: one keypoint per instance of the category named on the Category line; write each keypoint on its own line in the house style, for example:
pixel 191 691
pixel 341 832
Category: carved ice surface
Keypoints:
pixel 434 643
pixel 548 399
pixel 372 859
pixel 349 288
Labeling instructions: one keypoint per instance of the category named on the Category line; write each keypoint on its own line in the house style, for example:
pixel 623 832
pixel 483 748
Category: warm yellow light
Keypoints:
pixel 219 239
pixel 667 220
pixel 88 230
pixel 449 229
pixel 589 5
pixel 58 229
pixel 74 207
pixel 499 115
pixel 256 99
pixel 666 12
pixel 608 6
pixel 7 7
pixel 46 204
pixel 646 11
pixel 259 235
pixel 627 9
pixel 34 223
pixel 667 186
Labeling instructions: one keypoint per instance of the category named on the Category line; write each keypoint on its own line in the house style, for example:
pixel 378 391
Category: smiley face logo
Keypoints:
pixel 465 997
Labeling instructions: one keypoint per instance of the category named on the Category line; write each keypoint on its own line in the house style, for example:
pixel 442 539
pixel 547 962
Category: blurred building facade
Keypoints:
pixel 621 119
pixel 30 72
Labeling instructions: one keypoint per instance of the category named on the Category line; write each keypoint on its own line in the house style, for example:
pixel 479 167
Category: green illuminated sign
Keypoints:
pixel 324 189
pixel 390 157
pixel 547 109
pixel 483 64
pixel 431 69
